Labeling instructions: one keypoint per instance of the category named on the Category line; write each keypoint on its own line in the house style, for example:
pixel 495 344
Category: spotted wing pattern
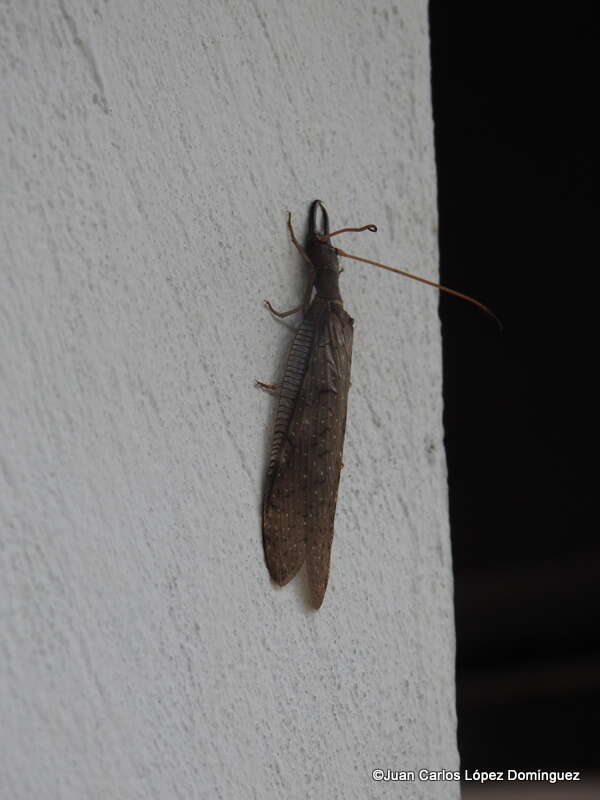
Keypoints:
pixel 306 457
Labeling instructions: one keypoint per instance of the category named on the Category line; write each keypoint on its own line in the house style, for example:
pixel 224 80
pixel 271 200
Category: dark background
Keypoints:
pixel 514 91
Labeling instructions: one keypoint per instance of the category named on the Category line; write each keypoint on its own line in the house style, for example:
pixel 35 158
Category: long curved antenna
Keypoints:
pixel 462 296
pixel 324 237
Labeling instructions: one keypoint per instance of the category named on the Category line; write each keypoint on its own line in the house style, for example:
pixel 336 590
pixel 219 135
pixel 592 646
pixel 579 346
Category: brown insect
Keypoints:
pixel 306 453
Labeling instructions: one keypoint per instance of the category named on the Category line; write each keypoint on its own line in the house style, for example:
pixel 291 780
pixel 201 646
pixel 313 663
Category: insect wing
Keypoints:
pixel 328 398
pixel 284 532
pixel 306 456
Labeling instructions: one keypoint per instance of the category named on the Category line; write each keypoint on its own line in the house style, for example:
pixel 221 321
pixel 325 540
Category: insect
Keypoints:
pixel 305 463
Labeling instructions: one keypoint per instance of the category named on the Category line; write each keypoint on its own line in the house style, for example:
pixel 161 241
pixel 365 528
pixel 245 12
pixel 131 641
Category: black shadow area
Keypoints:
pixel 514 98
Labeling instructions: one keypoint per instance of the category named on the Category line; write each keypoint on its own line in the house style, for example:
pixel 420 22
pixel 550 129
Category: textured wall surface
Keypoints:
pixel 149 154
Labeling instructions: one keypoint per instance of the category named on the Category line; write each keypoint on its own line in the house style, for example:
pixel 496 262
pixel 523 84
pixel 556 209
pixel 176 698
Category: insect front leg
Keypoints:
pixel 304 254
pixel 296 243
pixel 308 293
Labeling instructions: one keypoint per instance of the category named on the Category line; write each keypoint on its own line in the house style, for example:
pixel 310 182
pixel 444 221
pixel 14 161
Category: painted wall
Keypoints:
pixel 150 152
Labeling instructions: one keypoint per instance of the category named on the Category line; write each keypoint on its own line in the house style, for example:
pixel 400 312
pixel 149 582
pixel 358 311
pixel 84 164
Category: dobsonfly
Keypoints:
pixel 304 469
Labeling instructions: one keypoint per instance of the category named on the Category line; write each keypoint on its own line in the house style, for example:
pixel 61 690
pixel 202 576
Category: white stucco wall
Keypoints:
pixel 150 151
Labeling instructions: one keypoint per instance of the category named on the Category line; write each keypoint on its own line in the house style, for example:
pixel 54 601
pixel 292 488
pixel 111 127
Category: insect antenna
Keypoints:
pixel 441 288
pixel 373 228
pixel 325 236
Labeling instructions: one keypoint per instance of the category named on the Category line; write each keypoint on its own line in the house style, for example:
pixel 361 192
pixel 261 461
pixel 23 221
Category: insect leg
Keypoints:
pixel 303 253
pixel 268 387
pixel 282 314
pixel 295 241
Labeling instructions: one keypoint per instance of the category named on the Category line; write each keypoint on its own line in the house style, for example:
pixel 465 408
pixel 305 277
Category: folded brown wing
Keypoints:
pixel 306 456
